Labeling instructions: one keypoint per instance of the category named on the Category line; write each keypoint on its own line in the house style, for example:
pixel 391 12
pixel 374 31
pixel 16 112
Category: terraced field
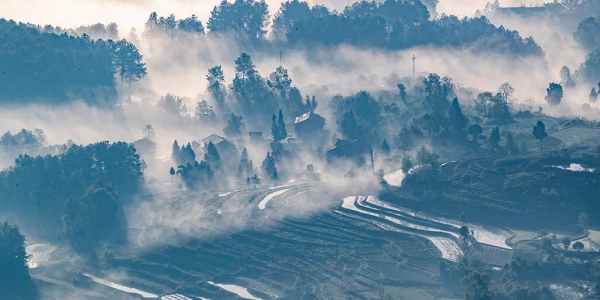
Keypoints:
pixel 289 242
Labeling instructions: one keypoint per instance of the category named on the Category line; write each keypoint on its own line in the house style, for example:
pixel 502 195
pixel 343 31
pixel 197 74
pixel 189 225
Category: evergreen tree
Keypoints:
pixel 246 167
pixel 187 155
pixel 212 156
pixel 593 96
pixel 281 126
pixel 458 122
pixel 204 112
pixel 539 131
pixel 216 80
pixel 402 92
pixel 426 157
pixel 269 167
pixel 176 153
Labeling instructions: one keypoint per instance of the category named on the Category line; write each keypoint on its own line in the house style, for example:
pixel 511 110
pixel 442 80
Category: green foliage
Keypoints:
pixel 464 231
pixel 269 167
pixel 539 131
pixel 458 121
pixel 127 61
pixel 590 68
pixel 252 93
pixel 578 246
pixel 438 91
pixel 234 126
pixel 37 65
pixel 426 157
pixel 216 81
pixel 588 34
pixel 402 92
pixel 27 185
pixel 358 116
pixel 244 17
pixel 212 156
pixel 245 167
pixel 171 27
pixel 16 282
pixel 184 155
pixel 23 141
pixel 205 112
pixel 89 221
pixel 475 131
pixel 197 175
pixel 476 286
pixel 554 94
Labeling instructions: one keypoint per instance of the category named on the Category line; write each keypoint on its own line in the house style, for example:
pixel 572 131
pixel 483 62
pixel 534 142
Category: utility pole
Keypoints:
pixel 413 58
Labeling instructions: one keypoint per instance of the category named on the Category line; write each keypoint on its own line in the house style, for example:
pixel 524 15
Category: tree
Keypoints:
pixel 402 92
pixel 212 157
pixel 590 68
pixel 593 96
pixel 406 165
pixel 205 112
pixel 191 25
pixel 554 94
pixel 244 17
pixel 475 131
pixel 234 126
pixel 281 126
pixel 483 99
pixel 506 90
pixel 565 77
pixel 578 246
pixel 539 131
pixel 128 61
pixel 587 34
pixel 385 147
pixel 244 66
pixel 176 153
pixel 148 132
pixel 458 121
pixel 216 79
pixel 349 126
pixel 16 282
pixel 566 242
pixel 430 124
pixel 172 172
pixel 245 167
pixel 281 82
pixel 476 286
pixel 584 219
pixel 426 157
pixel 269 167
pixel 495 137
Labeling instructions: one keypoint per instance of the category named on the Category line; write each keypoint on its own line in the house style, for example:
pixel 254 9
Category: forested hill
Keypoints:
pixel 37 66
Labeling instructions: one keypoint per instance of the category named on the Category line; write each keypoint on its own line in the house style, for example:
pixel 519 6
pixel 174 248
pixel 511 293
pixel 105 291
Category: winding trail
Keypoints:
pixel 262 204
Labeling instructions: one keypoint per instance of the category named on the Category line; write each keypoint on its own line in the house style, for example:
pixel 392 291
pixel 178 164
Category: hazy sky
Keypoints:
pixel 133 13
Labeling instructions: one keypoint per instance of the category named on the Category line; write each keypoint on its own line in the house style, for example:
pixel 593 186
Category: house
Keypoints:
pixel 146 149
pixel 227 150
pixel 356 149
pixel 308 128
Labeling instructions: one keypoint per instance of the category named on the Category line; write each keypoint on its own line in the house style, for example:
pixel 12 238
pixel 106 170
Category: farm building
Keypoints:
pixel 227 150
pixel 343 149
pixel 308 128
